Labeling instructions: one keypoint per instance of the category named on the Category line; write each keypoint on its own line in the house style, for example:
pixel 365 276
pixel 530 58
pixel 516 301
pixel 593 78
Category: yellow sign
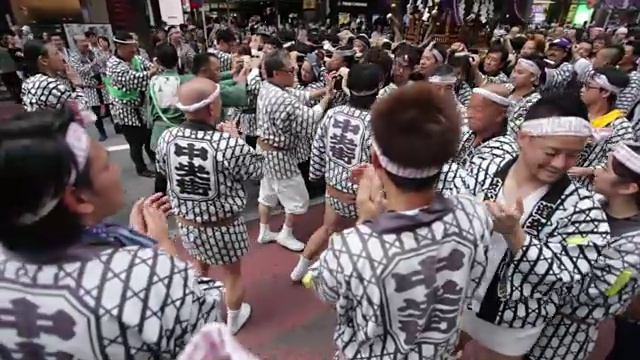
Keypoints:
pixel 308 4
pixel 344 18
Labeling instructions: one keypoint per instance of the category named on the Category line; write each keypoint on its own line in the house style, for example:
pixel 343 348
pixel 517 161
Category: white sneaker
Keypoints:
pixel 267 237
pixel 243 316
pixel 301 269
pixel 290 242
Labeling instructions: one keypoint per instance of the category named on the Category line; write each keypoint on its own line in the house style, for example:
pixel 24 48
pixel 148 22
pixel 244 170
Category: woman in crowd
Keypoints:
pixel 100 299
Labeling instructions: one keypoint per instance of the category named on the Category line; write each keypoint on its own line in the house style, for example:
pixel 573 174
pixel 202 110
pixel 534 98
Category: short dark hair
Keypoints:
pixel 226 35
pixel 416 127
pixel 89 33
pixel 380 57
pixel 32 50
pixel 567 103
pixel 58 34
pixel 201 61
pixel 167 55
pixel 499 48
pixel 617 53
pixel 275 61
pixel 364 78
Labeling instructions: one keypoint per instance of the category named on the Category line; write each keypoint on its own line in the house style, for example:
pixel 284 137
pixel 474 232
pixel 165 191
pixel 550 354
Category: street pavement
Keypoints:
pixel 288 321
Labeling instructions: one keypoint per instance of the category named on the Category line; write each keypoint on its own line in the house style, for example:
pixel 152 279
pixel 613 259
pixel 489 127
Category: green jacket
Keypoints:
pixel 161 114
pixel 232 94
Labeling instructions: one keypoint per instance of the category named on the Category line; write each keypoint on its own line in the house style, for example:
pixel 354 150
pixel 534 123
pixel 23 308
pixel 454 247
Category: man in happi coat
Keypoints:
pixel 342 141
pixel 127 77
pixel 226 43
pixel 401 277
pixel 282 121
pixel 233 84
pixel 206 164
pixel 547 232
pixel 87 66
pixel 486 135
pixel 610 126
pixel 185 52
pixel 572 333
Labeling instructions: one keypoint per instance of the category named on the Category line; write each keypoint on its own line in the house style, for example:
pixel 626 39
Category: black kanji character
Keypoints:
pixel 24 317
pixel 346 126
pixel 342 148
pixel 193 179
pixel 191 151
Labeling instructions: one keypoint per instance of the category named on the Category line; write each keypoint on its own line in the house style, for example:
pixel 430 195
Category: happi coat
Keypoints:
pixel 566 230
pixel 400 281
pixel 98 300
pixel 206 170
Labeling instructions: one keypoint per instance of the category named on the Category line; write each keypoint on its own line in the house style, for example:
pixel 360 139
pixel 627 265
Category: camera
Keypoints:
pixel 337 82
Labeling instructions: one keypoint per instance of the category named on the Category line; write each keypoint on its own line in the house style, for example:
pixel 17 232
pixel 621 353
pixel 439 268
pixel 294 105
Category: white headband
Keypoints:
pixel 129 42
pixel 604 83
pixel 436 53
pixel 492 96
pixel 399 170
pixel 627 157
pixel 78 140
pixel 443 80
pixel 530 66
pixel 558 126
pixel 199 105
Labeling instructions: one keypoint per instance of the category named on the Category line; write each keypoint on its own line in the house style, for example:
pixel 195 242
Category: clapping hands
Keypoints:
pixel 149 217
pixel 370 199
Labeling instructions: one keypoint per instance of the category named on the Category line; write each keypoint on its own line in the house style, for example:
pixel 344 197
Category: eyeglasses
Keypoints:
pixel 290 70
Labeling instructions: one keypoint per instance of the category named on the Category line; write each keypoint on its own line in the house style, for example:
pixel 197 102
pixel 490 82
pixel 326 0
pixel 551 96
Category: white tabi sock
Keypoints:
pixel 264 230
pixel 232 317
pixel 265 235
pixel 301 269
pixel 286 231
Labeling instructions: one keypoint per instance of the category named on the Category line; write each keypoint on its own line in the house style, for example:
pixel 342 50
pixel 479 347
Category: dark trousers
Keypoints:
pixel 315 188
pixel 160 185
pixel 99 122
pixel 14 85
pixel 251 140
pixel 139 137
pixel 625 346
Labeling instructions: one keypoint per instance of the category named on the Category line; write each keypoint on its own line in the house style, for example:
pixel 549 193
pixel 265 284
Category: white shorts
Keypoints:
pixel 291 193
pixel 503 340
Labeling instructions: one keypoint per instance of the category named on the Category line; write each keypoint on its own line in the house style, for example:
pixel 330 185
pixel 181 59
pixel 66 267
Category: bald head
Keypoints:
pixel 197 93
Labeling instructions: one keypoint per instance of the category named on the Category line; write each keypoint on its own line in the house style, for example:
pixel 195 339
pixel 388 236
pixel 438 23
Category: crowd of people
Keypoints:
pixel 486 195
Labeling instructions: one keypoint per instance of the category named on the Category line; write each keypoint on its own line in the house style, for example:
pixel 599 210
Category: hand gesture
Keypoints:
pixel 229 127
pixel 506 219
pixel 357 172
pixel 159 201
pixel 72 75
pixel 158 228
pixel 136 218
pixel 241 77
pixel 580 171
pixel 370 198
pixel 238 65
pixel 474 60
